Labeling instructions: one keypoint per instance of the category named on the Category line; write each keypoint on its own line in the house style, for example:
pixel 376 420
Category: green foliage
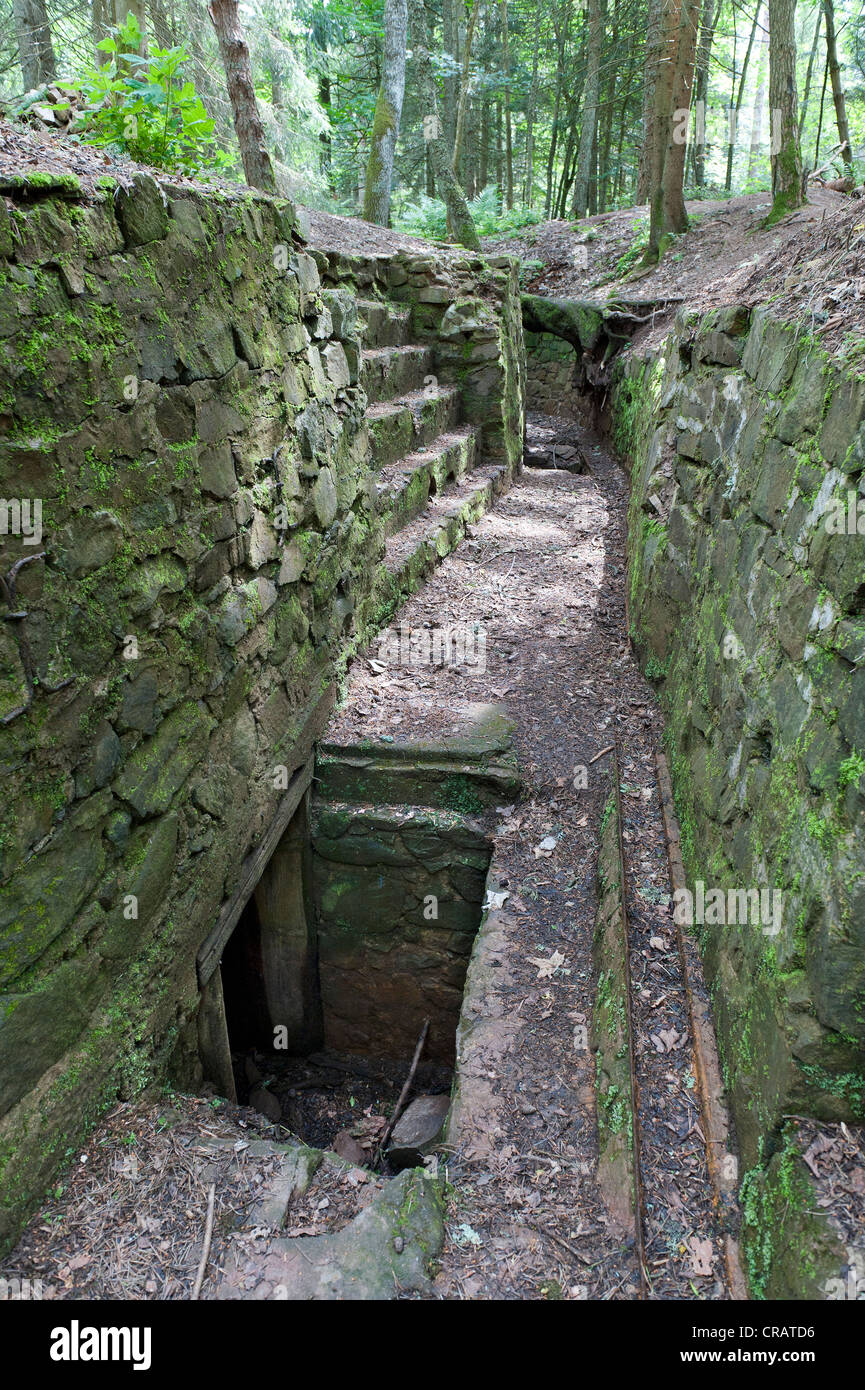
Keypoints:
pixel 851 771
pixel 426 217
pixel 144 107
pixel 636 250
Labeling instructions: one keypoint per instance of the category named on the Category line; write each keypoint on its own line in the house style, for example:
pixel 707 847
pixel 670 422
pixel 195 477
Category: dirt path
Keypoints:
pixel 720 259
pixel 543 575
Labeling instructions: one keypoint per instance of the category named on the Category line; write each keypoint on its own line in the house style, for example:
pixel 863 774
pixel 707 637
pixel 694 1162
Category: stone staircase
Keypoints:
pixel 428 476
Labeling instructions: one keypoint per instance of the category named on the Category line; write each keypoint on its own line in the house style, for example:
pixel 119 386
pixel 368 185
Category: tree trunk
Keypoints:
pixel 459 216
pixel 803 109
pixel 835 78
pixel 500 168
pixel 450 46
pixel 554 137
pixel 759 100
pixel 711 15
pixel 651 73
pixel 783 102
pixel 588 125
pixel 35 48
pixel 734 124
pixel 509 148
pixel 673 82
pixel 529 180
pixel 388 112
pixel 241 93
pixel 119 9
pixel 464 89
pixel 820 117
pixel 483 169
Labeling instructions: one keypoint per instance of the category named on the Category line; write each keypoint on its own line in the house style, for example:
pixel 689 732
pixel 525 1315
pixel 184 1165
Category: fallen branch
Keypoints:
pixel 403 1095
pixel 608 749
pixel 208 1236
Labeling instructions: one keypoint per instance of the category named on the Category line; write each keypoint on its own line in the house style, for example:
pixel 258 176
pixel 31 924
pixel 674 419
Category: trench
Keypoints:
pixel 355 939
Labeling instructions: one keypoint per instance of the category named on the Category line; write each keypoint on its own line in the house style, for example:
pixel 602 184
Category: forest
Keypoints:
pixel 416 114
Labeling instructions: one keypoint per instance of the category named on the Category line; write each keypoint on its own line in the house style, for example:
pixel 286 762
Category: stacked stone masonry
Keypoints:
pixel 195 397
pixel 746 603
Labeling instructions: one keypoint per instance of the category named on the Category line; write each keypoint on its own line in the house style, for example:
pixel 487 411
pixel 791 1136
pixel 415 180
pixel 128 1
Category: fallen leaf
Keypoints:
pixel 495 900
pixel 702 1256
pixel 547 966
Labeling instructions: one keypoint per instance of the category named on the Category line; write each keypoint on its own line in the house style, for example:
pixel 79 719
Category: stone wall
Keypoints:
pixel 397 899
pixel 468 310
pixel 178 391
pixel 551 369
pixel 746 606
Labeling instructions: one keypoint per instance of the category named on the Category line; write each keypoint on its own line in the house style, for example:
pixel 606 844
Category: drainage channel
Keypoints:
pixel 655 1132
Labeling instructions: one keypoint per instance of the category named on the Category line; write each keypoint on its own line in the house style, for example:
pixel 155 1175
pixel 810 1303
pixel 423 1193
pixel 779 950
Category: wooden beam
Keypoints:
pixel 254 865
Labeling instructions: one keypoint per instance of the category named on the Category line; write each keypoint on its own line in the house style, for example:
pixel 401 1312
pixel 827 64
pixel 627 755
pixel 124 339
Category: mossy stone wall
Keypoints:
pixel 551 375
pixel 746 607
pixel 178 390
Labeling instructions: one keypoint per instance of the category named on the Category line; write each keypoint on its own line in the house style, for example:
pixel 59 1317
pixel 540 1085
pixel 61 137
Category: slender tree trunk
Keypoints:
pixel 528 183
pixel 509 148
pixel 464 88
pixel 734 124
pixel 458 211
pixel 241 92
pixel 759 99
pixel 783 102
pixel 554 137
pixel 388 112
pixel 588 125
pixel 837 88
pixel 620 146
pixel 450 46
pixel 35 48
pixel 483 168
pixel 803 109
pixel 651 73
pixel 711 15
pixel 820 117
pixel 500 162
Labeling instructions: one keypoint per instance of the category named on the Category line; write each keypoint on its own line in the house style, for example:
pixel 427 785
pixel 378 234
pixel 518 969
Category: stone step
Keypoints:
pixel 413 552
pixel 461 773
pixel 386 325
pixel 387 373
pixel 403 488
pixel 398 427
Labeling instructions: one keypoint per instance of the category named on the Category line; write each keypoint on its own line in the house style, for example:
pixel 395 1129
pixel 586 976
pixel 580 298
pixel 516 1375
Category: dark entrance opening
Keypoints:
pixel 270 962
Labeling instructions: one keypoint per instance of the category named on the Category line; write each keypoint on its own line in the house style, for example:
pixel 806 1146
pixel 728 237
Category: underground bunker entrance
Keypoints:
pixel 357 932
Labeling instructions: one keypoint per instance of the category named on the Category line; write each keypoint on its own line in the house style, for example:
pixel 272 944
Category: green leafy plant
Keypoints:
pixel 145 108
pixel 851 771
pixel 426 216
